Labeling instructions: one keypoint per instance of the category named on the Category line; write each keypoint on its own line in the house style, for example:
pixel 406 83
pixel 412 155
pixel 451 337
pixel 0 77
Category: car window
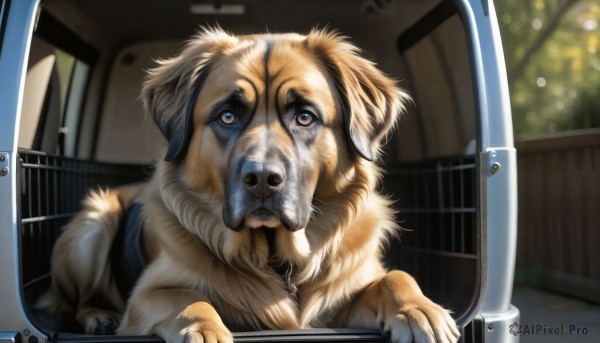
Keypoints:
pixel 53 98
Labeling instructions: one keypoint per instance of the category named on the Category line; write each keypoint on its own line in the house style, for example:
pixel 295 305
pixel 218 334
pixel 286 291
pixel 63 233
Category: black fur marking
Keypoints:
pixel 128 255
pixel 267 75
pixel 354 139
pixel 179 130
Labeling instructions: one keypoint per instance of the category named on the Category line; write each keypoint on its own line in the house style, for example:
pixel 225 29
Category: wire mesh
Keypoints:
pixel 52 188
pixel 436 203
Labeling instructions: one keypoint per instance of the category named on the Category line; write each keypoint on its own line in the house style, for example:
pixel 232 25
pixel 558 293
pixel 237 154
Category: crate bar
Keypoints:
pixel 47 218
pixel 441 253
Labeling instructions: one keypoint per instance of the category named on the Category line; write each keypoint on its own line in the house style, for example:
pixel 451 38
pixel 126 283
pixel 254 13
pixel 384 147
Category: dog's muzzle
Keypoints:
pixel 261 194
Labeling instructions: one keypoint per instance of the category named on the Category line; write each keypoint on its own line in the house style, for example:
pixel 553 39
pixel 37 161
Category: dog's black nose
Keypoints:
pixel 262 179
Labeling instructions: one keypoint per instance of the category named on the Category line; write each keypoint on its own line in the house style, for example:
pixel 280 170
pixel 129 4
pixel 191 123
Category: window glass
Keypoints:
pixel 54 90
pixel 64 67
pixel 74 103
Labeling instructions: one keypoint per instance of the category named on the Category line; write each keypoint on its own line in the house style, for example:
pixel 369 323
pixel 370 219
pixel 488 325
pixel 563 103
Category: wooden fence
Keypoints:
pixel 559 213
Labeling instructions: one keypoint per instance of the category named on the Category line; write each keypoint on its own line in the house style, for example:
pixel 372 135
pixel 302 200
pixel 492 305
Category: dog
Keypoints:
pixel 263 213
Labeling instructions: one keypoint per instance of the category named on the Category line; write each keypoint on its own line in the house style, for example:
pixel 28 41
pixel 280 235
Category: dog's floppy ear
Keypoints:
pixel 170 90
pixel 371 103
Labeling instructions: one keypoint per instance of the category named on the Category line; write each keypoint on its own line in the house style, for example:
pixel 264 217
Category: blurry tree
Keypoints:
pixel 553 63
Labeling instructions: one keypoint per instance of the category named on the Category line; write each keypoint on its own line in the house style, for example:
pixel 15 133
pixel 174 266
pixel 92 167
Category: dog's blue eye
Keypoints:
pixel 228 118
pixel 305 118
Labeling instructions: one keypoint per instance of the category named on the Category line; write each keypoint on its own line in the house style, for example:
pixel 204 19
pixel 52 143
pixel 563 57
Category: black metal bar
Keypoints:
pixel 428 210
pixel 440 253
pixel 425 25
pixel 54 32
pixel 35 280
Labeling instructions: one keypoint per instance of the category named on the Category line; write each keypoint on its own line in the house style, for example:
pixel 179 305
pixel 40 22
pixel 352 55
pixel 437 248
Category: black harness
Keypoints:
pixel 128 256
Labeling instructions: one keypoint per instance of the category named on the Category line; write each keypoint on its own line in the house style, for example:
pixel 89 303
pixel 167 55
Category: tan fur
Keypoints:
pixel 205 279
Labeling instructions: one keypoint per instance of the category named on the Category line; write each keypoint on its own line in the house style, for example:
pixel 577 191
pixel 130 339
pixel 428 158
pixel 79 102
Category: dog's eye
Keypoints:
pixel 305 118
pixel 228 118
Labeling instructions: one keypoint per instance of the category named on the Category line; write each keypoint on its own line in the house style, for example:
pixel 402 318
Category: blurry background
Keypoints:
pixel 553 63
pixel 552 52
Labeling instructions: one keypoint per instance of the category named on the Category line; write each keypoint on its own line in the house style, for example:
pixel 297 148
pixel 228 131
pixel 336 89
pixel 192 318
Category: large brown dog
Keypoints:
pixel 264 213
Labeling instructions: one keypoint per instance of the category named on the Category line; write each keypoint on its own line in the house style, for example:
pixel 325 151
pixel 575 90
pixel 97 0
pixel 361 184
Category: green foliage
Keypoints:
pixel 552 51
pixel 585 112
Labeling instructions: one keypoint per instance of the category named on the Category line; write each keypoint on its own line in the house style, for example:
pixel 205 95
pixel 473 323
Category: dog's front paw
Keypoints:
pixel 98 321
pixel 206 333
pixel 421 321
pixel 200 323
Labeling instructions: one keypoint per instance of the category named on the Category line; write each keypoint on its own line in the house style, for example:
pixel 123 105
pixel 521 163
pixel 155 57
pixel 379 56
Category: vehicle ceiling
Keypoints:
pixel 437 68
pixel 118 23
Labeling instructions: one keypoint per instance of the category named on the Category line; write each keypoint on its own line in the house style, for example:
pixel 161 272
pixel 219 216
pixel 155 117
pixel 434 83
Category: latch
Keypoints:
pixel 494 165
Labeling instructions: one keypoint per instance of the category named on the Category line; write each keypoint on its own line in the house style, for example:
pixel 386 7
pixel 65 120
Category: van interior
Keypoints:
pixel 83 124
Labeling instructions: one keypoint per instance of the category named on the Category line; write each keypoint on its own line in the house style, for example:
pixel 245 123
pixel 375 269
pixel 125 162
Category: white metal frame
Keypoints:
pixel 13 67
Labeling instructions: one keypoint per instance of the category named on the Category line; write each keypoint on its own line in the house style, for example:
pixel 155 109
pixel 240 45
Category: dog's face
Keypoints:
pixel 267 124
pixel 270 117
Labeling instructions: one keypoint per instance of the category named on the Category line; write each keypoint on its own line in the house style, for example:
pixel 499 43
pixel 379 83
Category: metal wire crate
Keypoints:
pixel 52 188
pixel 436 203
pixel 437 207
